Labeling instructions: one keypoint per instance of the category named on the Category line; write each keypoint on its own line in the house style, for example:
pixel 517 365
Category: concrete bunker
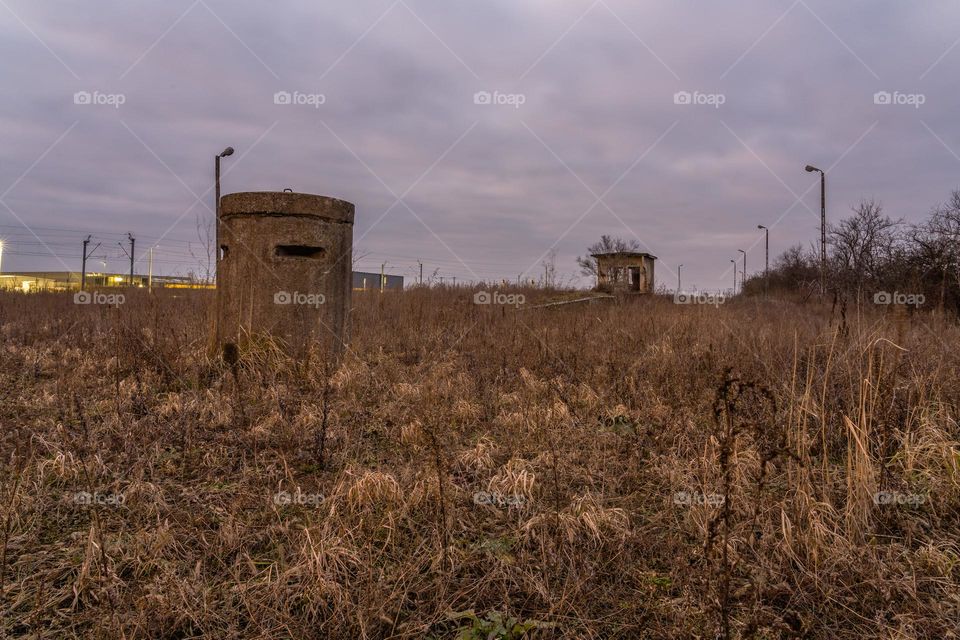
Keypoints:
pixel 284 270
pixel 625 272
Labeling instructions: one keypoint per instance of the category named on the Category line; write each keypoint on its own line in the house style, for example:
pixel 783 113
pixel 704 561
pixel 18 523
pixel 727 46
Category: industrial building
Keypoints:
pixel 70 281
pixel 364 281
pixel 29 281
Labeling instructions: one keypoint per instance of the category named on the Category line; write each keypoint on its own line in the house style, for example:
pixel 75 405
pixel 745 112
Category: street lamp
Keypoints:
pixel 766 266
pixel 679 266
pixel 216 170
pixel 823 227
pixel 743 276
pixel 766 262
pixel 734 276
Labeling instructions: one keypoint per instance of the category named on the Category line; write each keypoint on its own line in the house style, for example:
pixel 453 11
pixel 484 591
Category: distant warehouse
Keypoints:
pixel 363 281
pixel 29 281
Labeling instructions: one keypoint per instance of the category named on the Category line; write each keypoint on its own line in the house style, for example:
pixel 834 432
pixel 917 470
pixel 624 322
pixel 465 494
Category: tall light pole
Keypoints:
pixel 734 276
pixel 766 260
pixel 1 256
pixel 133 243
pixel 216 171
pixel 679 266
pixel 743 274
pixel 766 266
pixel 823 227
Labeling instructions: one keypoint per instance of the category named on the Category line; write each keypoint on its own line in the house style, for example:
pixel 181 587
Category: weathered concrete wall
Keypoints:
pixel 284 270
pixel 607 267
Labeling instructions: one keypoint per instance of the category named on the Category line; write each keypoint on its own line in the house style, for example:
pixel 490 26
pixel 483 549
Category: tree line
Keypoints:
pixel 873 257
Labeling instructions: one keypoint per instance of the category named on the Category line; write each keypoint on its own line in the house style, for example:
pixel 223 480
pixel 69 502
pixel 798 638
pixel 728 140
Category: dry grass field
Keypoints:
pixel 633 469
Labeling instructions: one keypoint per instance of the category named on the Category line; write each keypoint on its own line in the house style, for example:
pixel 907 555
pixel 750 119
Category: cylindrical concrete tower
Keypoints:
pixel 284 270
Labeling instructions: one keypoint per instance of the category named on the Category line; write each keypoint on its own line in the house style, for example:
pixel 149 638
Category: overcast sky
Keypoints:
pixel 112 112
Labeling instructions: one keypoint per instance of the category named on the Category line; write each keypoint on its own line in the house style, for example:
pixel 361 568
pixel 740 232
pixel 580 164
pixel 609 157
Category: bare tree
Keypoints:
pixel 607 244
pixel 205 255
pixel 550 269
pixel 865 247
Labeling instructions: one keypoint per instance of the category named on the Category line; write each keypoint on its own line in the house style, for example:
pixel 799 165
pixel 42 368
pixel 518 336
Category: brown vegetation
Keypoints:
pixel 615 470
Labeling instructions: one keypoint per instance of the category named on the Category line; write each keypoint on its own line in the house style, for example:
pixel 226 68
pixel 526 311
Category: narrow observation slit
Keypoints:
pixel 224 250
pixel 298 251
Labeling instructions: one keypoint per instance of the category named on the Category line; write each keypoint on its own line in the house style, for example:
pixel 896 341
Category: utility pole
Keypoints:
pixel 743 274
pixel 133 242
pixel 216 210
pixel 766 266
pixel 383 278
pixel 83 264
pixel 150 273
pixel 679 267
pixel 421 272
pixel 823 228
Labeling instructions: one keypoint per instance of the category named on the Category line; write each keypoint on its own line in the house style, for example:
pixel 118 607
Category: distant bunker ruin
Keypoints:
pixel 625 272
pixel 283 270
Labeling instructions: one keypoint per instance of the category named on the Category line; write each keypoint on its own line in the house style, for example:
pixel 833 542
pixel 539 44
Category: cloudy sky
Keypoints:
pixel 474 136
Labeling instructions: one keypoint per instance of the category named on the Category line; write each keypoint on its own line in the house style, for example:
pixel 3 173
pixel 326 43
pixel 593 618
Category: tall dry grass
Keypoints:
pixel 616 470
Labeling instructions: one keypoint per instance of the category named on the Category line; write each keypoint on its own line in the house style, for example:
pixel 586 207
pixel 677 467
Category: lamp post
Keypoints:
pixel 679 266
pixel 734 276
pixel 766 260
pixel 823 227
pixel 743 274
pixel 766 266
pixel 216 170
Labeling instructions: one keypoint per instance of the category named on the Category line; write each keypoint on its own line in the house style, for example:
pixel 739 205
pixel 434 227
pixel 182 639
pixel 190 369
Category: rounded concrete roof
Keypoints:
pixel 286 203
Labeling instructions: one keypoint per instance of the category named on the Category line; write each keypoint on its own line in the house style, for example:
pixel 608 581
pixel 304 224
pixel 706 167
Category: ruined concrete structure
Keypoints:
pixel 284 270
pixel 625 272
